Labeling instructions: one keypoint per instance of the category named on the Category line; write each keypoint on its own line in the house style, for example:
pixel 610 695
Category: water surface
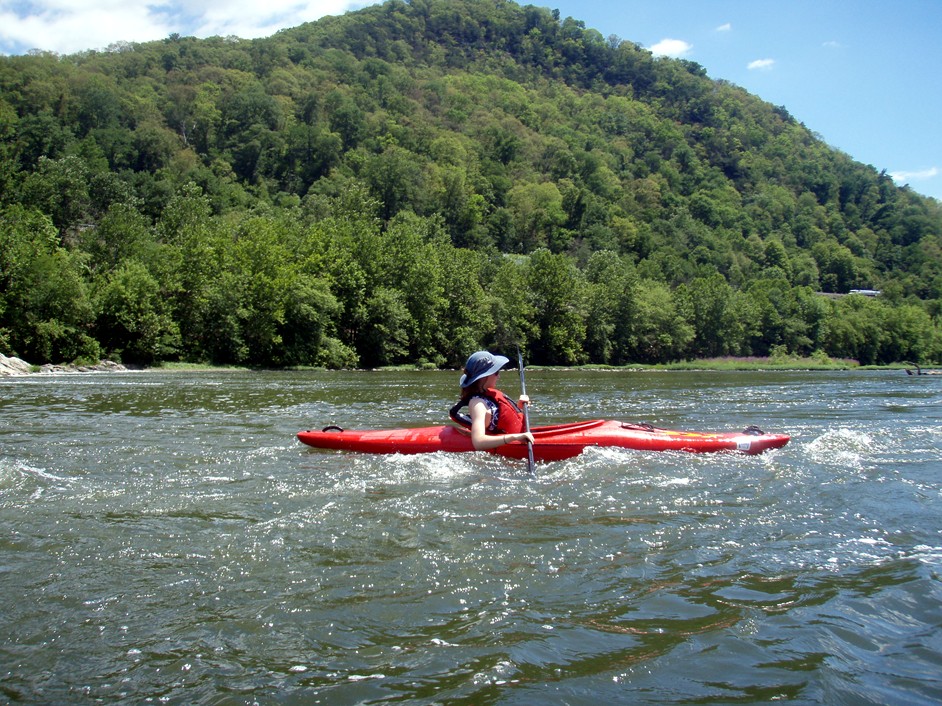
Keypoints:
pixel 165 539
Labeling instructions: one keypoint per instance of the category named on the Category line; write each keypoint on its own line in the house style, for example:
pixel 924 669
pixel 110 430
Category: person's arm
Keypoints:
pixel 480 439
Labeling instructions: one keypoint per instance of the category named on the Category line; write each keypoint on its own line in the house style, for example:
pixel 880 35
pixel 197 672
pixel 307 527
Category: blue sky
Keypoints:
pixel 863 74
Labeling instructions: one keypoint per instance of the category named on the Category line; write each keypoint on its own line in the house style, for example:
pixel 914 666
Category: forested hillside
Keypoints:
pixel 413 181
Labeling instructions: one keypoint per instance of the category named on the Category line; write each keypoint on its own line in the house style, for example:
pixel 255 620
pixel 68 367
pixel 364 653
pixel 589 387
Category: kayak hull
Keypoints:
pixel 552 443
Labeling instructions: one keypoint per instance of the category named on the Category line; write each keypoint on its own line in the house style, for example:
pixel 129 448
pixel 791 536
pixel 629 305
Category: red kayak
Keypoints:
pixel 552 443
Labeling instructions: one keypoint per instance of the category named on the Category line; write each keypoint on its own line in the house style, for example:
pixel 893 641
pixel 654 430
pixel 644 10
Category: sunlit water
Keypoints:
pixel 165 539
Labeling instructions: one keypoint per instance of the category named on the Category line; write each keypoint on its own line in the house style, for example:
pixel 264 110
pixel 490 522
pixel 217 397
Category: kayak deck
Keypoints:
pixel 551 443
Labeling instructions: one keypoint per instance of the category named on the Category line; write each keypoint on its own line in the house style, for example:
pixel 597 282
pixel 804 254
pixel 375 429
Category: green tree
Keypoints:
pixel 659 331
pixel 387 330
pixel 772 312
pixel 410 264
pixel 8 161
pixel 195 277
pixel 611 288
pixel 257 260
pixel 394 178
pixel 123 233
pixel 59 188
pixel 467 316
pixel 558 291
pixel 45 310
pixel 837 266
pixel 539 215
pixel 511 306
pixel 60 312
pixel 717 329
pixel 855 329
pixel 909 334
pixel 134 322
pixel 308 322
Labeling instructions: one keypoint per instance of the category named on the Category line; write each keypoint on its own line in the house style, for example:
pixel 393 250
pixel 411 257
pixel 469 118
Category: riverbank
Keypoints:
pixel 10 367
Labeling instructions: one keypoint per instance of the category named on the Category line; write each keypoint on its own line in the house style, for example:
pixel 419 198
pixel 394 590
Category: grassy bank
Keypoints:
pixel 773 362
pixel 764 363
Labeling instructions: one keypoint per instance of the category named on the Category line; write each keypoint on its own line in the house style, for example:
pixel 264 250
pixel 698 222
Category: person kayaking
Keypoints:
pixel 493 417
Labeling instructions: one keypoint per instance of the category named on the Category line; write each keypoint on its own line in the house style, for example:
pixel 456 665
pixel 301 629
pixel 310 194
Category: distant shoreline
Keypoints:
pixel 15 367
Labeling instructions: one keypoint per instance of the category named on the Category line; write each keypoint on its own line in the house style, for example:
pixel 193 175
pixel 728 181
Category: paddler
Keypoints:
pixel 493 417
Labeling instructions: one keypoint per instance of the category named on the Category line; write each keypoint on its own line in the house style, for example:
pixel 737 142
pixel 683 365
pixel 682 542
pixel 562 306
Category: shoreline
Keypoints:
pixel 15 367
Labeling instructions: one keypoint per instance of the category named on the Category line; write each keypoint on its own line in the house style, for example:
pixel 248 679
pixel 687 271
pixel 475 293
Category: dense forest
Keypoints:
pixel 416 180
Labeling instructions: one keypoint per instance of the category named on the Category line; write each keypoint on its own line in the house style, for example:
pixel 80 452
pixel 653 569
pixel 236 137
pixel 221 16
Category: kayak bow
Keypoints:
pixel 552 443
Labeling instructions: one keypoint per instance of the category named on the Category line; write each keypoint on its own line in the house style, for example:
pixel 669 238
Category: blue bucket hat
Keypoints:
pixel 480 365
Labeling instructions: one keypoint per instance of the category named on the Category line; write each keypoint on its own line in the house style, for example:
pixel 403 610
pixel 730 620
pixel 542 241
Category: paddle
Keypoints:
pixel 526 414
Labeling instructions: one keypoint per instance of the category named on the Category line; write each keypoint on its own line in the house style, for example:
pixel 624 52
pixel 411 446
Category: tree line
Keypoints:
pixel 331 284
pixel 412 181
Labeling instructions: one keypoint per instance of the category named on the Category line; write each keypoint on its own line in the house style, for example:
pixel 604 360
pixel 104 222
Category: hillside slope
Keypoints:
pixel 663 214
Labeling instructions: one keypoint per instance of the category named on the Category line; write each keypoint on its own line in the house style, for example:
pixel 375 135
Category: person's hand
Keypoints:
pixel 524 400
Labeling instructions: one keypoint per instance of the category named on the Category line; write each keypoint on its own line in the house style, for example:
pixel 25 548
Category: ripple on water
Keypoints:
pixel 841 448
pixel 172 541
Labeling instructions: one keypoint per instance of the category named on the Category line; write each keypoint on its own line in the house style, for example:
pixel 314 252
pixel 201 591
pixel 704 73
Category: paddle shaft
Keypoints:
pixel 526 413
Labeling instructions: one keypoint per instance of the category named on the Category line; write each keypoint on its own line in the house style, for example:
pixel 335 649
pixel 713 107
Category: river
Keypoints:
pixel 165 539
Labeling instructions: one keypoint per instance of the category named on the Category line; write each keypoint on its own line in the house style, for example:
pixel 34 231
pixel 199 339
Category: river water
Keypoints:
pixel 164 539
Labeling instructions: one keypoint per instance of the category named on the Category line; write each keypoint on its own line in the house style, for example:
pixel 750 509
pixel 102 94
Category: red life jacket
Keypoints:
pixel 507 420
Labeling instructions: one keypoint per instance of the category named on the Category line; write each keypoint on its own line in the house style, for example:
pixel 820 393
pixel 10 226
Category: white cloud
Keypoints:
pixel 675 48
pixel 832 44
pixel 727 27
pixel 68 26
pixel 902 177
pixel 65 28
pixel 249 18
pixel 761 64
